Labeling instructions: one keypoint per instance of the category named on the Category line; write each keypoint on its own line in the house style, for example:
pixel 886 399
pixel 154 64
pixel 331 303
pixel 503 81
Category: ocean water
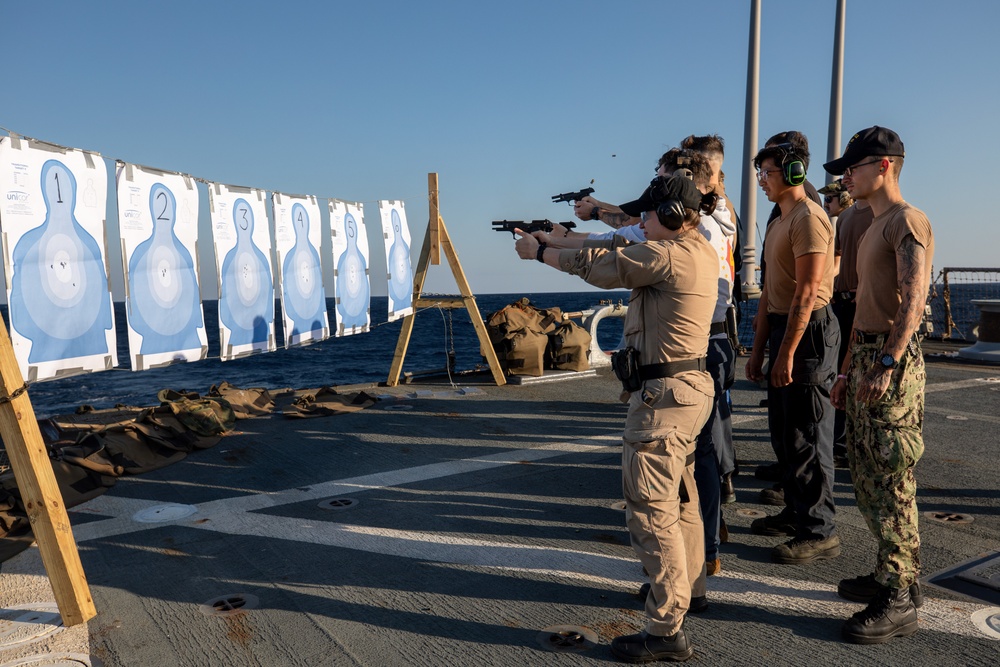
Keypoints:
pixel 353 359
pixel 964 314
pixel 366 357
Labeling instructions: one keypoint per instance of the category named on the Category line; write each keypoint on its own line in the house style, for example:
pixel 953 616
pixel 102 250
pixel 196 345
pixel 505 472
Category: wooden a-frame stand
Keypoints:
pixel 435 239
pixel 40 493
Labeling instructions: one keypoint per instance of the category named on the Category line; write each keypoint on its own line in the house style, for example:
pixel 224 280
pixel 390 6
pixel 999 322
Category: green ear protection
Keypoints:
pixel 793 170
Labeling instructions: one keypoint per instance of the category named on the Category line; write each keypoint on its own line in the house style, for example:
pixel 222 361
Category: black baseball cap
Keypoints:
pixel 664 188
pixel 872 141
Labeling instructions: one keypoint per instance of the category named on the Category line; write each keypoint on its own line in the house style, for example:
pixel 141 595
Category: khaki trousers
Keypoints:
pixel 661 503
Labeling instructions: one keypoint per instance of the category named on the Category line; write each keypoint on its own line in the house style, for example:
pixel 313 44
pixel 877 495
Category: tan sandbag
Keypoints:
pixel 521 315
pixel 204 416
pixel 517 333
pixel 163 416
pixel 246 403
pixel 90 452
pixel 523 353
pixel 134 453
pixel 93 420
pixel 569 347
pixel 325 402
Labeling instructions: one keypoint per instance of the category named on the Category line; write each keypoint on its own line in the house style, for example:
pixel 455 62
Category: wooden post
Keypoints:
pixel 40 493
pixel 434 220
pixel 436 238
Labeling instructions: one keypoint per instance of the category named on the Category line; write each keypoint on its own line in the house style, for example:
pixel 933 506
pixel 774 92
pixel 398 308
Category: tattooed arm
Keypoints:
pixel 809 270
pixel 911 274
pixel 609 214
pixel 616 219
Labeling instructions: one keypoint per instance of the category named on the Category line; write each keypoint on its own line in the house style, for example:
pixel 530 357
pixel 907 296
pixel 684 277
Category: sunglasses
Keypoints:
pixel 828 198
pixel 850 170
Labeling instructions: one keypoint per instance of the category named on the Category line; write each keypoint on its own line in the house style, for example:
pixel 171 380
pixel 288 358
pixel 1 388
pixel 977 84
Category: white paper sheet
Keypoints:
pixel 246 283
pixel 54 203
pixel 158 224
pixel 297 237
pixel 396 234
pixel 352 281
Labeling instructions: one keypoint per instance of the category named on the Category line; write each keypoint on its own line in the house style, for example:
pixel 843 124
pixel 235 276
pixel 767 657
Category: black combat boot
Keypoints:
pixel 645 647
pixel 864 588
pixel 890 614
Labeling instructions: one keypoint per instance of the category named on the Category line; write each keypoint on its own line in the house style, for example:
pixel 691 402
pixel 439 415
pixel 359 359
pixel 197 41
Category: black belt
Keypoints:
pixel 779 320
pixel 717 328
pixel 844 296
pixel 862 338
pixel 670 368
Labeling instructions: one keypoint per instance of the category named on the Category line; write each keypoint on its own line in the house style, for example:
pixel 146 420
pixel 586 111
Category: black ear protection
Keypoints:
pixel 793 169
pixel 671 214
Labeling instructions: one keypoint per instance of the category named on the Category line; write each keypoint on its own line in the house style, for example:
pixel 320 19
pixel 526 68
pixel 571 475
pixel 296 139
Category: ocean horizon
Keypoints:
pixel 366 358
pixel 348 360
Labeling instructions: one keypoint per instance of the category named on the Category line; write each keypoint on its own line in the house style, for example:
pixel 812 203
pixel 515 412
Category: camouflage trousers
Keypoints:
pixel 884 443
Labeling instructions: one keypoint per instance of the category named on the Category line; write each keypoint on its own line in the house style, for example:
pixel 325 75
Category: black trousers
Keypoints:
pixel 800 418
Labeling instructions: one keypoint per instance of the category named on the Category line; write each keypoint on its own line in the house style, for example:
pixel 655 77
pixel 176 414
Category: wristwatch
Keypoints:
pixel 887 361
pixel 540 253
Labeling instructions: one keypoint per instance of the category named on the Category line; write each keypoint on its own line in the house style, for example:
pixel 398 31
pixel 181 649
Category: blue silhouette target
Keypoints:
pixel 246 302
pixel 164 306
pixel 401 281
pixel 302 280
pixel 353 291
pixel 59 291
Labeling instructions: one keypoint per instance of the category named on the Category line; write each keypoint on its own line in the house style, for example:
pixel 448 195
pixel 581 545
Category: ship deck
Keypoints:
pixel 468 525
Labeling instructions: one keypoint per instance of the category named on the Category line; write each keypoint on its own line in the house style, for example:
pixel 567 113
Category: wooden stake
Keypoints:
pixel 435 238
pixel 40 493
pixel 433 226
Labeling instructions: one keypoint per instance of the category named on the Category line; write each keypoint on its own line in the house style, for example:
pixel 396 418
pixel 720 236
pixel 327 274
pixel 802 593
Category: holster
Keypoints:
pixel 625 364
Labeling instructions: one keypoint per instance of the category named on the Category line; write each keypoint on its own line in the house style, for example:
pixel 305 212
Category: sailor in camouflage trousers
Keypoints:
pixel 885 444
pixel 882 385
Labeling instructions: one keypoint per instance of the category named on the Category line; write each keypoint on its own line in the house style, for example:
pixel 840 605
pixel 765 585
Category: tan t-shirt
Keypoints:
pixel 878 295
pixel 804 231
pixel 851 226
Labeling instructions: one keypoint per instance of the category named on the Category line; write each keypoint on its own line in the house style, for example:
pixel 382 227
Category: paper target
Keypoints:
pixel 159 230
pixel 303 299
pixel 351 280
pixel 60 304
pixel 397 258
pixel 246 284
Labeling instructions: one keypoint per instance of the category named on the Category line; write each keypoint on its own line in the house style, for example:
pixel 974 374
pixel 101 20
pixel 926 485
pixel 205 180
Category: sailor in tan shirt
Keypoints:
pixel 881 385
pixel 673 278
pixel 794 320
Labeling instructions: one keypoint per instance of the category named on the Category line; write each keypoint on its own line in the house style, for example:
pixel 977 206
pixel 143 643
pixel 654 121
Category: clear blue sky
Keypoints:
pixel 509 102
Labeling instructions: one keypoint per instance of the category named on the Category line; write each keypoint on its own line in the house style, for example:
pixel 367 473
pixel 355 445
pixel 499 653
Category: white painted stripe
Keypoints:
pixel 807 598
pixel 122 509
pixel 960 384
pixel 992 419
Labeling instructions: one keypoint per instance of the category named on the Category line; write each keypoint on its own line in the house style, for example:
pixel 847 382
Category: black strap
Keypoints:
pixel 670 368
pixel 844 296
pixel 781 319
pixel 862 338
pixel 717 328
